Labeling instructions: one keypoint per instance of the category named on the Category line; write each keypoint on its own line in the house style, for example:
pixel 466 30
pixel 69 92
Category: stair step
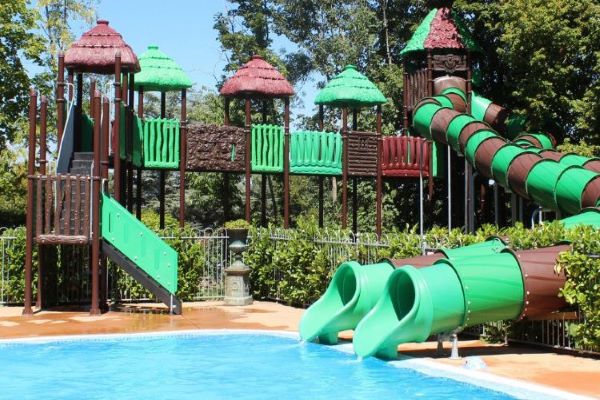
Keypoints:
pixel 89 156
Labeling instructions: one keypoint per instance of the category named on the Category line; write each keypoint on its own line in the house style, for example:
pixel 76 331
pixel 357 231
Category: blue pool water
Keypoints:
pixel 221 366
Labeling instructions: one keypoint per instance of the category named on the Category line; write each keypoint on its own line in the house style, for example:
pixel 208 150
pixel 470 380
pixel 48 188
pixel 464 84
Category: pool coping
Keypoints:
pixel 512 387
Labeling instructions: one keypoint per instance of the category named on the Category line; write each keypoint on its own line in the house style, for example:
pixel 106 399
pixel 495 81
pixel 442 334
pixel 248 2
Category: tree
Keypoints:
pixel 19 46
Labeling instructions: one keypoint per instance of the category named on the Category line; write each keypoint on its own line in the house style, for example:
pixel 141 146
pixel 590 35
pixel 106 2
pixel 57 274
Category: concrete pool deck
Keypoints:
pixel 565 372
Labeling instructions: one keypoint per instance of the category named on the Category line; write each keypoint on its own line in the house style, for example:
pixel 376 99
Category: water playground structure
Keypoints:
pixel 79 202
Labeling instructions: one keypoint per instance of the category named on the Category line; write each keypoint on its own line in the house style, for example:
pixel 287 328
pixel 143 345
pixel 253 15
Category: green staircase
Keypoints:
pixel 140 252
pixel 313 152
pixel 267 148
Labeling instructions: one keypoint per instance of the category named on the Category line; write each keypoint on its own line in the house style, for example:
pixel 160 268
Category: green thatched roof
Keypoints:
pixel 350 89
pixel 160 73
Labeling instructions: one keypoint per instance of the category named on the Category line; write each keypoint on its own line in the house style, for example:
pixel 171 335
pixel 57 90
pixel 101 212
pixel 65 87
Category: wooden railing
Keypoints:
pixel 405 156
pixel 62 209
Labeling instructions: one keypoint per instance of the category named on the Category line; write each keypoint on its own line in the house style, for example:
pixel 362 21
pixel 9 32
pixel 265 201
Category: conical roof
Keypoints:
pixel 441 29
pixel 96 49
pixel 257 78
pixel 350 88
pixel 160 73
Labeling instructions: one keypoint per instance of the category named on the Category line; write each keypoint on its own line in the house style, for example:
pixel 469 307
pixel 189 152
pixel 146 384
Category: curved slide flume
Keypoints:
pixel 355 289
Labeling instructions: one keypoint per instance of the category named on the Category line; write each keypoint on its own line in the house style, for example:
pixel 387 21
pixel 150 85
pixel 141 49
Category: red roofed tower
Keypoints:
pixel 259 80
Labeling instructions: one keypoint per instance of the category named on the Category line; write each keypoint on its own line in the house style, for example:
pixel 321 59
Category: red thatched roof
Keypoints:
pixel 96 49
pixel 257 78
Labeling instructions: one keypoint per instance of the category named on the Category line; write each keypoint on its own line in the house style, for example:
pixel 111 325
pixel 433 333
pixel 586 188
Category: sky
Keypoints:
pixel 183 29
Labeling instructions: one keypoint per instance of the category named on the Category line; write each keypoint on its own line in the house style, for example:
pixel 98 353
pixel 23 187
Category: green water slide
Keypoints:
pixel 355 289
pixel 140 252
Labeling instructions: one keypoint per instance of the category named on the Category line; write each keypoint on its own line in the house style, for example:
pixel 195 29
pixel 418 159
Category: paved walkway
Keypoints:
pixel 574 374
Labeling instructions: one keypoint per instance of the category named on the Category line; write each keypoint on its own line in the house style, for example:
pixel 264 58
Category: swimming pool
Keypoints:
pixel 242 365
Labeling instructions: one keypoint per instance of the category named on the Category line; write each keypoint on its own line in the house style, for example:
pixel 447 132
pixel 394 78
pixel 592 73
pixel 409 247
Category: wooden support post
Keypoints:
pixel 138 186
pixel 354 181
pixel 182 157
pixel 92 91
pixel 345 168
pixel 125 135
pixel 286 164
pixel 379 179
pixel 96 236
pixel 321 178
pixel 104 164
pixel 78 114
pixel 469 189
pixel 405 90
pixel 247 123
pixel 225 197
pixel 162 172
pixel 130 143
pixel 263 179
pixel 71 80
pixel 60 98
pixel 27 310
pixel 429 73
pixel 116 128
pixel 41 283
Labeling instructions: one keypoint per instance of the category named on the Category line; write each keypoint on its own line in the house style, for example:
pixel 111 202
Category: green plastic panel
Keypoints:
pixel 493 287
pixel 161 143
pixel 455 127
pixel 455 90
pixel 570 186
pixel 590 217
pixel 491 246
pixel 138 243
pixel 502 161
pixel 479 106
pixel 318 153
pixel 474 142
pixel 87 133
pixel 351 294
pixel 422 118
pixel 544 140
pixel 414 304
pixel 541 182
pixel 574 159
pixel 444 101
pixel 267 148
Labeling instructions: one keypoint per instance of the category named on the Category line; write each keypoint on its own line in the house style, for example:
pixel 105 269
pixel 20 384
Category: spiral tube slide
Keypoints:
pixel 554 185
pixel 354 290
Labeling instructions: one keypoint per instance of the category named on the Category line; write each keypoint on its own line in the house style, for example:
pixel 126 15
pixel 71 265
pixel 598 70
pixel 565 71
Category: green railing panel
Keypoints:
pixel 138 243
pixel 314 152
pixel 87 133
pixel 161 143
pixel 267 148
pixel 138 133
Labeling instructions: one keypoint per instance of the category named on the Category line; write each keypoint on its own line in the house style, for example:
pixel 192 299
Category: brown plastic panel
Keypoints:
pixel 485 154
pixel 531 139
pixel 519 170
pixel 445 82
pixel 591 194
pixel 362 153
pixel 418 262
pixel 439 124
pixel 542 283
pixel 458 103
pixel 496 116
pixel 552 154
pixel 592 165
pixel 209 148
pixel 468 131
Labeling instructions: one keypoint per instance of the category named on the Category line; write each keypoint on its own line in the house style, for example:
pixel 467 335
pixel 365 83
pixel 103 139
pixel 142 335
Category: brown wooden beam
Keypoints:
pixel 182 157
pixel 60 97
pixel 41 282
pixel 96 236
pixel 247 123
pixel 162 172
pixel 379 179
pixel 116 128
pixel 345 168
pixel 27 310
pixel 286 164
pixel 321 178
pixel 138 186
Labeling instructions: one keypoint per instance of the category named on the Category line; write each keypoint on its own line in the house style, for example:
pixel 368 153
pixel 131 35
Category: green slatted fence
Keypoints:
pixel 314 152
pixel 267 148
